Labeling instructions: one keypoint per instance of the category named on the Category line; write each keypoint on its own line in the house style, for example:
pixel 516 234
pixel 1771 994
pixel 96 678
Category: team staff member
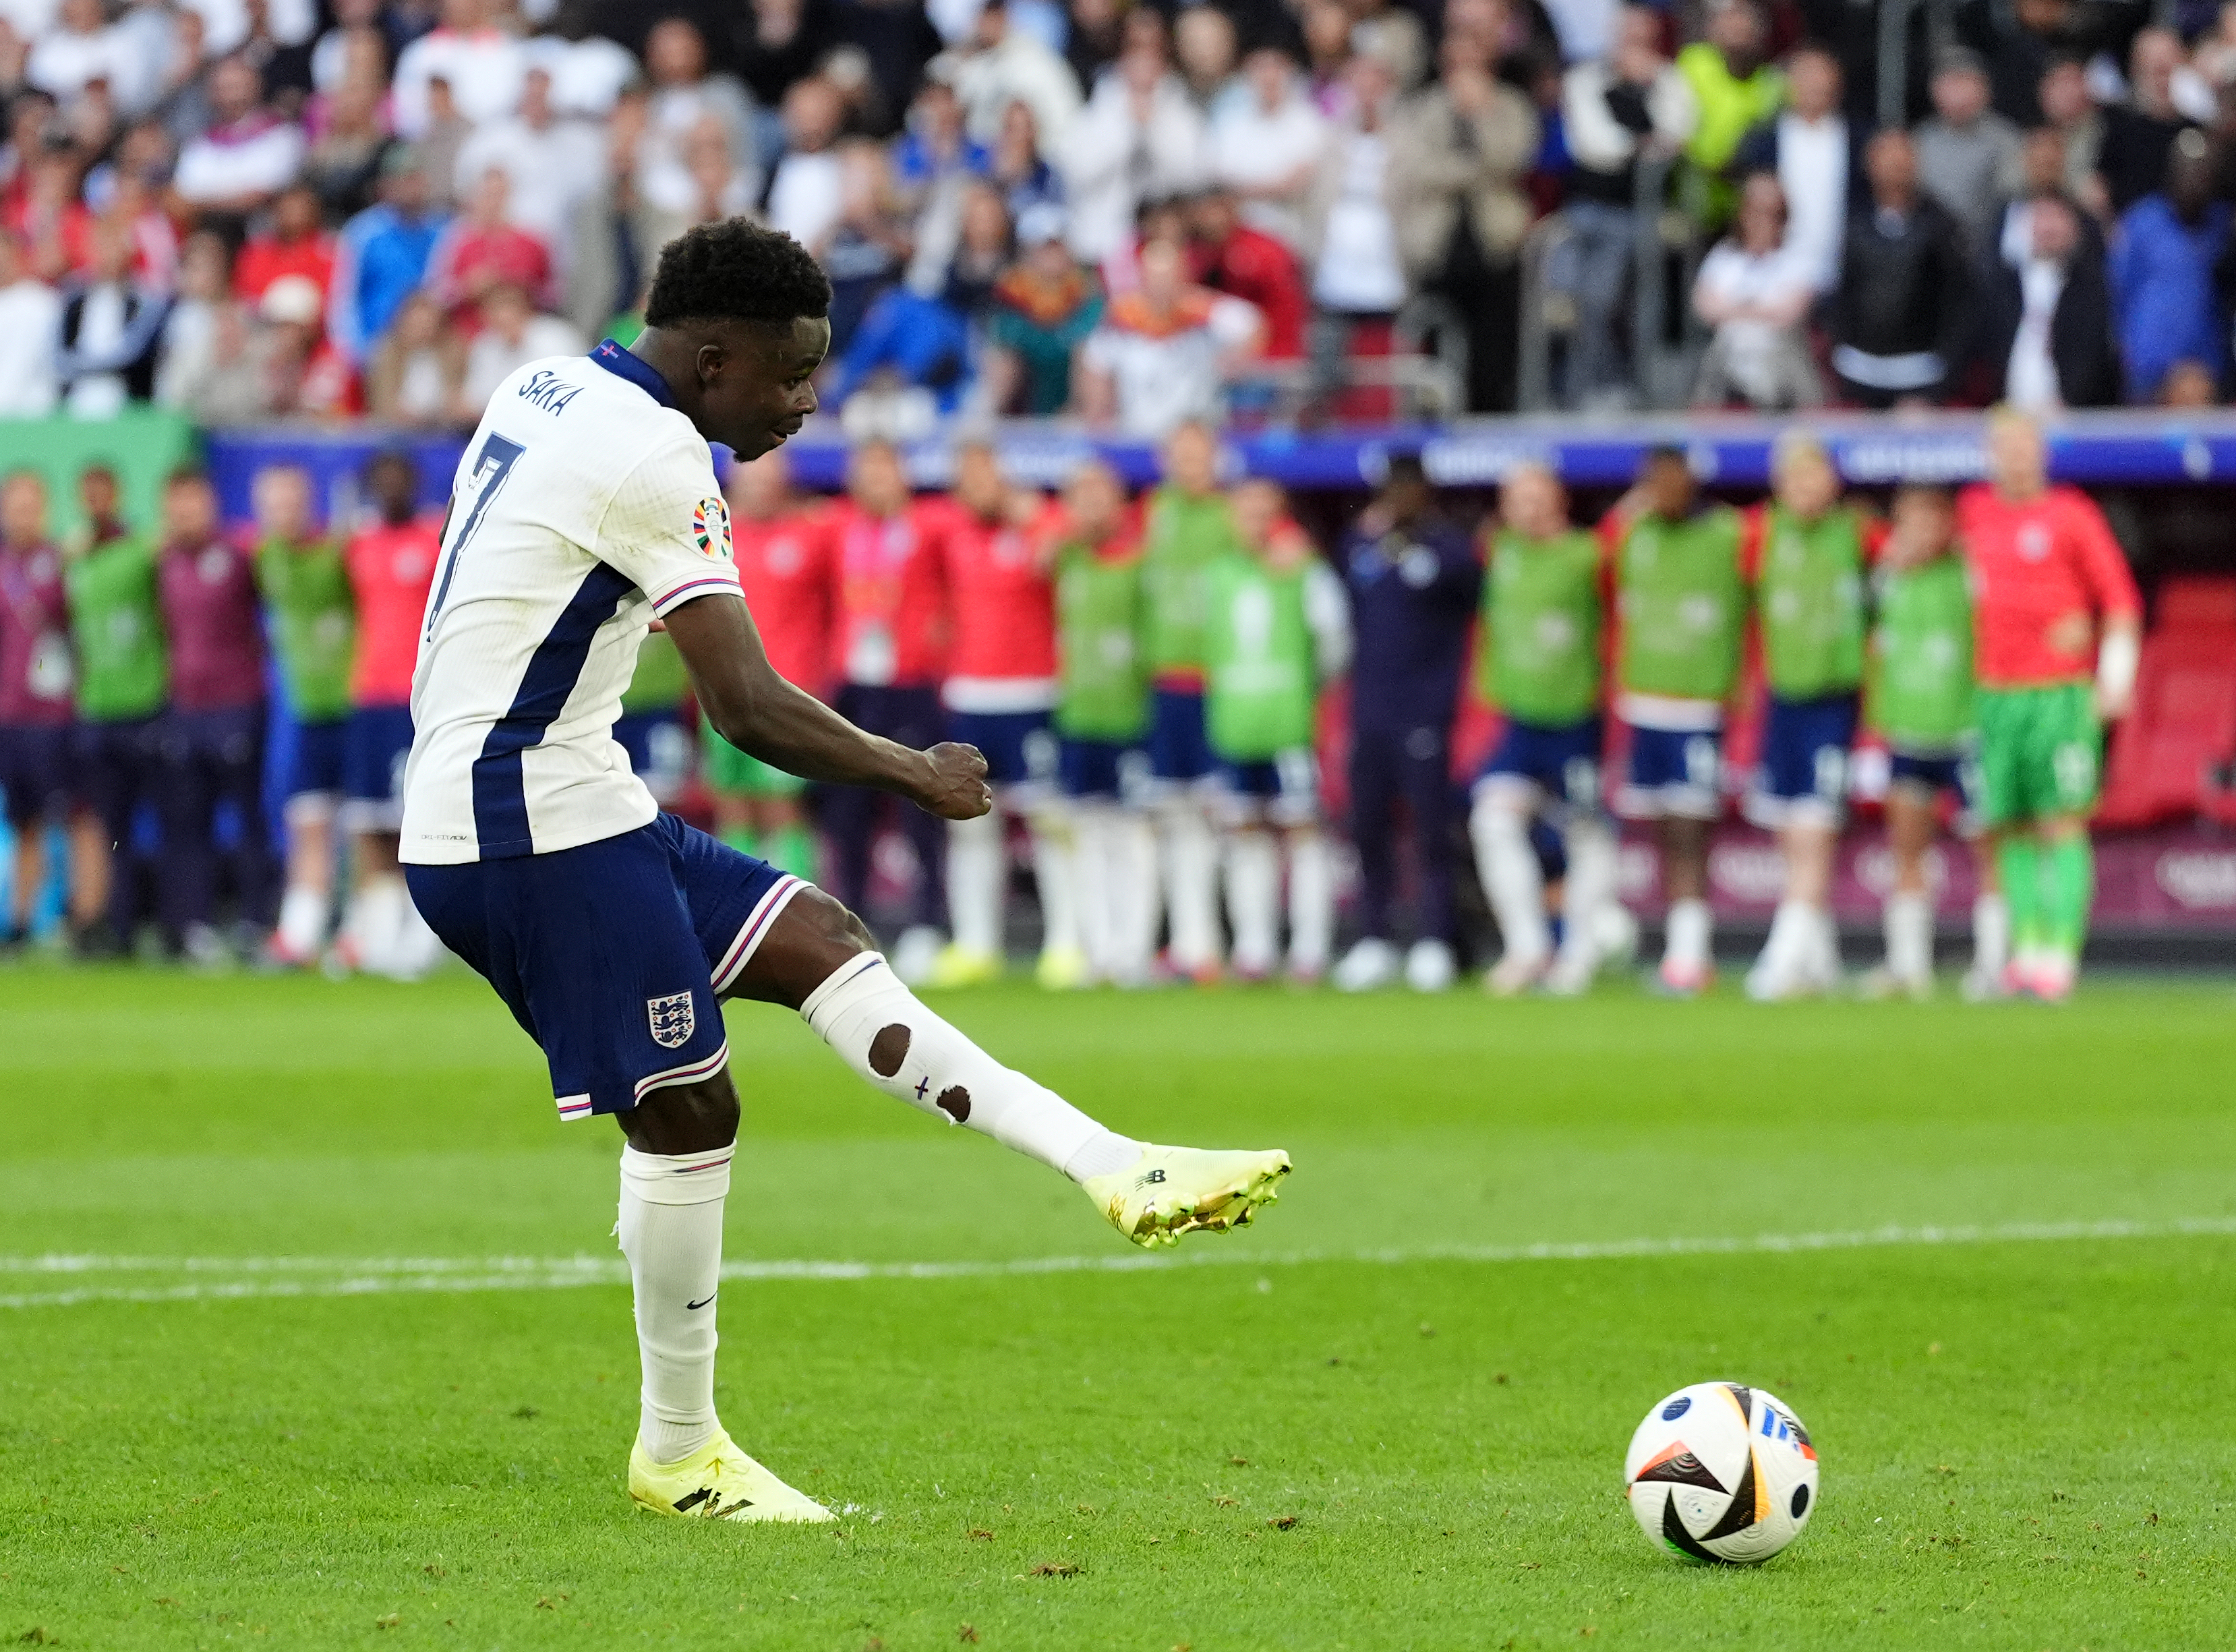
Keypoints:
pixel 2054 605
pixel 313 625
pixel 1808 554
pixel 785 568
pixel 1681 597
pixel 35 691
pixel 1544 621
pixel 213 740
pixel 1413 581
pixel 122 675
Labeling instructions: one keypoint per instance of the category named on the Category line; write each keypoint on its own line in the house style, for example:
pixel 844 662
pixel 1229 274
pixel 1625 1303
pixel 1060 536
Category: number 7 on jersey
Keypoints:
pixel 491 465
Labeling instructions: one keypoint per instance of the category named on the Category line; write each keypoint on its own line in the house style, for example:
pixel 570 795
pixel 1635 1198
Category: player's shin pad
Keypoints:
pixel 880 1029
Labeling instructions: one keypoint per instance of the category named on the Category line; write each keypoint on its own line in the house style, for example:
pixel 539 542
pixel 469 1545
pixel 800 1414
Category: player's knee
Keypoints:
pixel 685 1118
pixel 831 921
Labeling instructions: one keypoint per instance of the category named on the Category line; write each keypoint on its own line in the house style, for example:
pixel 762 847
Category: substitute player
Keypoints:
pixel 1807 553
pixel 1102 716
pixel 1682 598
pixel 1543 624
pixel 613 931
pixel 311 617
pixel 36 675
pixel 999 693
pixel 1188 527
pixel 785 567
pixel 1921 702
pixel 1278 630
pixel 2052 598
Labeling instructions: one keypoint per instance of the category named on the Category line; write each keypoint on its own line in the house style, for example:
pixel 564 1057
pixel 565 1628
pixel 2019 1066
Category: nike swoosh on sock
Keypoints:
pixel 700 1305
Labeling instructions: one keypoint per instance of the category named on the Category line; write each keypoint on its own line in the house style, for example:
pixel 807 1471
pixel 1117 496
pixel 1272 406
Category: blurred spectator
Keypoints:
pixel 2041 172
pixel 548 164
pixel 416 371
pixel 869 244
pixel 1632 104
pixel 805 194
pixel 1754 289
pixel 382 255
pixel 80 48
pixel 1266 145
pixel 912 354
pixel 1736 88
pixel 2163 263
pixel 1232 257
pixel 684 96
pixel 295 243
pixel 30 316
pixel 588 72
pixel 1967 156
pixel 1461 150
pixel 34 693
pixel 2132 155
pixel 2071 112
pixel 1351 231
pixel 482 65
pixel 1204 52
pixel 49 214
pixel 1096 36
pixel 781 42
pixel 1163 355
pixel 511 336
pixel 212 739
pixel 982 253
pixel 1005 65
pixel 1326 28
pixel 934 148
pixel 272 361
pixel 1016 166
pixel 483 249
pixel 111 326
pixel 1395 35
pixel 356 26
pixel 440 142
pixel 1900 314
pixel 2189 383
pixel 1140 138
pixel 2046 324
pixel 191 326
pixel 343 164
pixel 897 40
pixel 247 156
pixel 1043 309
pixel 1807 145
pixel 183 100
pixel 720 189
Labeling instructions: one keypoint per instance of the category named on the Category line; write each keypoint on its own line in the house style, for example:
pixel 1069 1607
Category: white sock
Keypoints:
pixel 1090 870
pixel 1312 901
pixel 1512 880
pixel 303 921
pixel 1589 885
pixel 1991 933
pixel 1055 838
pixel 1192 885
pixel 671 1231
pixel 1824 947
pixel 1692 934
pixel 1908 922
pixel 374 922
pixel 1253 897
pixel 975 862
pixel 1131 860
pixel 1787 949
pixel 415 948
pixel 880 1029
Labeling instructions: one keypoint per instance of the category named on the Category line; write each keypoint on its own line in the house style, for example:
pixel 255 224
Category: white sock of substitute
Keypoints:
pixel 1589 885
pixel 1909 921
pixel 1088 867
pixel 1253 897
pixel 1131 860
pixel 1192 885
pixel 975 866
pixel 417 947
pixel 1511 879
pixel 374 922
pixel 880 1029
pixel 1054 838
pixel 1787 947
pixel 1991 934
pixel 1692 934
pixel 303 921
pixel 671 1231
pixel 1312 901
pixel 1823 945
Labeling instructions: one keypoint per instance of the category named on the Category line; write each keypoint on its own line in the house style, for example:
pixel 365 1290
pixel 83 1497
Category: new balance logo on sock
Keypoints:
pixel 695 1305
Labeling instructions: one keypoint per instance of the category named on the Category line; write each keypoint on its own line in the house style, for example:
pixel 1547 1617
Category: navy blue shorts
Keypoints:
pixel 1020 745
pixel 1180 750
pixel 1286 785
pixel 1109 768
pixel 320 762
pixel 34 771
pixel 660 750
pixel 1804 760
pixel 1674 771
pixel 1959 774
pixel 1562 762
pixel 379 745
pixel 613 956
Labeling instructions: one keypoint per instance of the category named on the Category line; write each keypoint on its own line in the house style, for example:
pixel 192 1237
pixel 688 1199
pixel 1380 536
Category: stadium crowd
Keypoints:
pixel 1134 213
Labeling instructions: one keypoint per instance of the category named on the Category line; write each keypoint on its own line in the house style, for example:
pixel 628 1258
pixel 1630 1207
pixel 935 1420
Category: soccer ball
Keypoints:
pixel 1720 1471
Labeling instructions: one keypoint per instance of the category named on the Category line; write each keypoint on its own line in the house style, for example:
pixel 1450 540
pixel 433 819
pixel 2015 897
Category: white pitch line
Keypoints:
pixel 228 1279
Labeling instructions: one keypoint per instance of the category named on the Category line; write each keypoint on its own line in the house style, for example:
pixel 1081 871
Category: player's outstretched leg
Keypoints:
pixel 817 959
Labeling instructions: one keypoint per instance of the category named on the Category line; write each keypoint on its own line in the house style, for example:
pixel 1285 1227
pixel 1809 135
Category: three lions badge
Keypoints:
pixel 672 1020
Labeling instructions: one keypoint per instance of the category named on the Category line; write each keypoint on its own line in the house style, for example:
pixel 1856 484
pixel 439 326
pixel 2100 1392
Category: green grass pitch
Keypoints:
pixel 291 1394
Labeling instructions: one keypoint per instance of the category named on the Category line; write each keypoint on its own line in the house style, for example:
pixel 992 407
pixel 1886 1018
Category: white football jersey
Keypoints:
pixel 585 505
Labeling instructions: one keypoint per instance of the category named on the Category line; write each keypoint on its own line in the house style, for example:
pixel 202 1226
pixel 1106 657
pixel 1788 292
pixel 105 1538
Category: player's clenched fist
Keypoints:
pixel 956 789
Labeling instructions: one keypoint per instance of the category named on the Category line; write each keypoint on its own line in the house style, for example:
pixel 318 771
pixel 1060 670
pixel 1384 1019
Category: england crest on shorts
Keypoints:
pixel 672 1020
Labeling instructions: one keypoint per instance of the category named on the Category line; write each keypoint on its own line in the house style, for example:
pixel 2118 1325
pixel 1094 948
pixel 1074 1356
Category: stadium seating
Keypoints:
pixel 2184 723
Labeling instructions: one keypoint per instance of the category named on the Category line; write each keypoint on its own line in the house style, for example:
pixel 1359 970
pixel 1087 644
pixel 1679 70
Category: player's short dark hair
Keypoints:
pixel 188 475
pixel 734 270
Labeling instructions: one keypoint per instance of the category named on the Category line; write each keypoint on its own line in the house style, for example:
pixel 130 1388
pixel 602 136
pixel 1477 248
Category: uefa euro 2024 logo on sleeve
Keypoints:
pixel 710 527
pixel 672 1020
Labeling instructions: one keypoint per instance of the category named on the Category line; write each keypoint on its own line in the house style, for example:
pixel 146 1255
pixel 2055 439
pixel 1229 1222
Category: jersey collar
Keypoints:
pixel 619 363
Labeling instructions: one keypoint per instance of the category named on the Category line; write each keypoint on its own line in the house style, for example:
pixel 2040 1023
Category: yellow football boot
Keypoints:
pixel 958 965
pixel 718 1482
pixel 1170 1191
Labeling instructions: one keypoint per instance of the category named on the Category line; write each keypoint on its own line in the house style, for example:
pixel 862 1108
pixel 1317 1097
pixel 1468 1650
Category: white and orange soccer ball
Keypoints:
pixel 1722 1473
